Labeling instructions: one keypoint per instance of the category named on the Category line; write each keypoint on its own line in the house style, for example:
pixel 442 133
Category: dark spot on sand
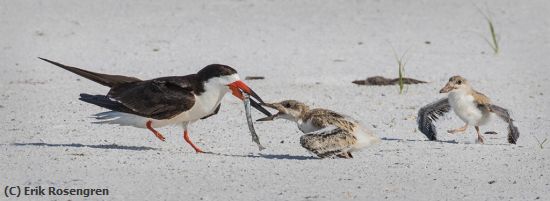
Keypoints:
pixel 254 78
pixel 427 42
pixel 492 182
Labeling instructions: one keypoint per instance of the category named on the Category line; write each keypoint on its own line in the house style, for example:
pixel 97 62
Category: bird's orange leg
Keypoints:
pixel 479 136
pixel 159 136
pixel 461 129
pixel 186 137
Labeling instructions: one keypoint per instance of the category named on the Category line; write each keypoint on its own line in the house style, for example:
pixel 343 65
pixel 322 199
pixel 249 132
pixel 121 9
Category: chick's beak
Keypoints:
pixel 271 117
pixel 446 88
pixel 237 89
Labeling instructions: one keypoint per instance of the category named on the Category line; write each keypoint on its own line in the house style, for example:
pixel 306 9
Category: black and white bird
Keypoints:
pixel 474 108
pixel 166 100
pixel 327 133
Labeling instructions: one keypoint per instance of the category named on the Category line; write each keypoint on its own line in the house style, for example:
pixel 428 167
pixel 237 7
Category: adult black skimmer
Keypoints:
pixel 164 101
pixel 327 133
pixel 474 108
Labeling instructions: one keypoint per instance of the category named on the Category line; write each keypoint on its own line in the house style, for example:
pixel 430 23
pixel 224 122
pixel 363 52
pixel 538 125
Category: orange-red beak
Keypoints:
pixel 237 89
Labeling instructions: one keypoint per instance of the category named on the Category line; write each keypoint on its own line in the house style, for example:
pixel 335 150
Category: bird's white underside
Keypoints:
pixel 205 104
pixel 466 108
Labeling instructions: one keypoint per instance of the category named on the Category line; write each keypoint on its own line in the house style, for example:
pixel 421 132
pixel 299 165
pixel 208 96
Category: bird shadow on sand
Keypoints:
pixel 99 146
pixel 441 141
pixel 409 140
pixel 267 156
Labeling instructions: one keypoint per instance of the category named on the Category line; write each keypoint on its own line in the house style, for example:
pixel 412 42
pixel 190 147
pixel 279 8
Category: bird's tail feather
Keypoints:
pixel 104 102
pixel 120 118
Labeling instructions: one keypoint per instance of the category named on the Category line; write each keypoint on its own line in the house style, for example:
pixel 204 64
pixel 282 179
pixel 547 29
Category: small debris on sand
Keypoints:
pixel 254 78
pixel 382 81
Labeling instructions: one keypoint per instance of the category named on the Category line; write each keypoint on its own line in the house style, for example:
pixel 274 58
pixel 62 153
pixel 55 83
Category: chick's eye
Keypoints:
pixel 459 82
pixel 287 105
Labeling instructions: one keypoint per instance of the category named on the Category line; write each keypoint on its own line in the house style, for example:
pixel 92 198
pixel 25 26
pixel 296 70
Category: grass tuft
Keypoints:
pixel 494 45
pixel 541 144
pixel 494 37
pixel 401 62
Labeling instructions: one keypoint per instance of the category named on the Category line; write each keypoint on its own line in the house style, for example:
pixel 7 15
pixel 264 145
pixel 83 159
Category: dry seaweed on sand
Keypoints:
pixel 382 81
pixel 254 77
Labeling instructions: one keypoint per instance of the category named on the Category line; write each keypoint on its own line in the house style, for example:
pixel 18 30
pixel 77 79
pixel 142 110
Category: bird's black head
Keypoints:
pixel 224 77
pixel 215 70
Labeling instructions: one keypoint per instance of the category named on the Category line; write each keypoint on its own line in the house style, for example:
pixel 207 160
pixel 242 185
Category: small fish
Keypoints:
pixel 250 122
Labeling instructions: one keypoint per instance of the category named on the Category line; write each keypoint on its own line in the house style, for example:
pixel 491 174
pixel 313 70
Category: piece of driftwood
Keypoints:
pixel 381 81
pixel 254 78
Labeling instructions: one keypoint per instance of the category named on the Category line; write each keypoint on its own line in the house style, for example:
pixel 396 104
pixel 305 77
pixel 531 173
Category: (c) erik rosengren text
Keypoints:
pixel 17 191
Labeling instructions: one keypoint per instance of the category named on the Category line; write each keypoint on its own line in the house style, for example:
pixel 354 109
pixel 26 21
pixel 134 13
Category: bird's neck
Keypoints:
pixel 304 116
pixel 213 94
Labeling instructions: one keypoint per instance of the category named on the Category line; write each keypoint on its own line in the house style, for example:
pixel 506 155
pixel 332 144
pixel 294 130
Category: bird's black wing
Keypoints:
pixel 160 98
pixel 428 114
pixel 513 132
pixel 104 79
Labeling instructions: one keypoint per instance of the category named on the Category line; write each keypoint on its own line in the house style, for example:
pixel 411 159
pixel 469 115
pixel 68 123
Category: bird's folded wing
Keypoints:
pixel 161 98
pixel 513 132
pixel 428 114
pixel 327 141
pixel 213 113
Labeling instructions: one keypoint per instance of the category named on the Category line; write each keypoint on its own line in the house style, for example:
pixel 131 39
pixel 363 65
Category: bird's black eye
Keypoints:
pixel 287 105
pixel 459 82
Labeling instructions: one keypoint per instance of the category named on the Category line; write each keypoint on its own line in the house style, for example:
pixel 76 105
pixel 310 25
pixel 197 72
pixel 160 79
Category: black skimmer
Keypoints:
pixel 327 133
pixel 166 100
pixel 474 108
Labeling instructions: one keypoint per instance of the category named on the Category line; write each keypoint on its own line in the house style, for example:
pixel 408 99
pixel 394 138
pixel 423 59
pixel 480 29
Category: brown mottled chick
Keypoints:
pixel 327 133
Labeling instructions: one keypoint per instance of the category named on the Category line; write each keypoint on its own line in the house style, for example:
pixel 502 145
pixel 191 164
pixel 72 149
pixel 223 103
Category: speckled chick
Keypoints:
pixel 327 133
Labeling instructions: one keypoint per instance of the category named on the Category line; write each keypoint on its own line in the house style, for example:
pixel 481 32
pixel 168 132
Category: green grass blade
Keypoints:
pixel 494 36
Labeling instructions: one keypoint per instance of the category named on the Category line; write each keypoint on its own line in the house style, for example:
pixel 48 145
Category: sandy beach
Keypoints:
pixel 307 50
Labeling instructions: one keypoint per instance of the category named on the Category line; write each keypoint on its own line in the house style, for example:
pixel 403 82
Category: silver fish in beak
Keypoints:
pixel 247 108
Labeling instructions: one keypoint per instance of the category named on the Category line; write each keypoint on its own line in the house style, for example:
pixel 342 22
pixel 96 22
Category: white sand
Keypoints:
pixel 309 51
